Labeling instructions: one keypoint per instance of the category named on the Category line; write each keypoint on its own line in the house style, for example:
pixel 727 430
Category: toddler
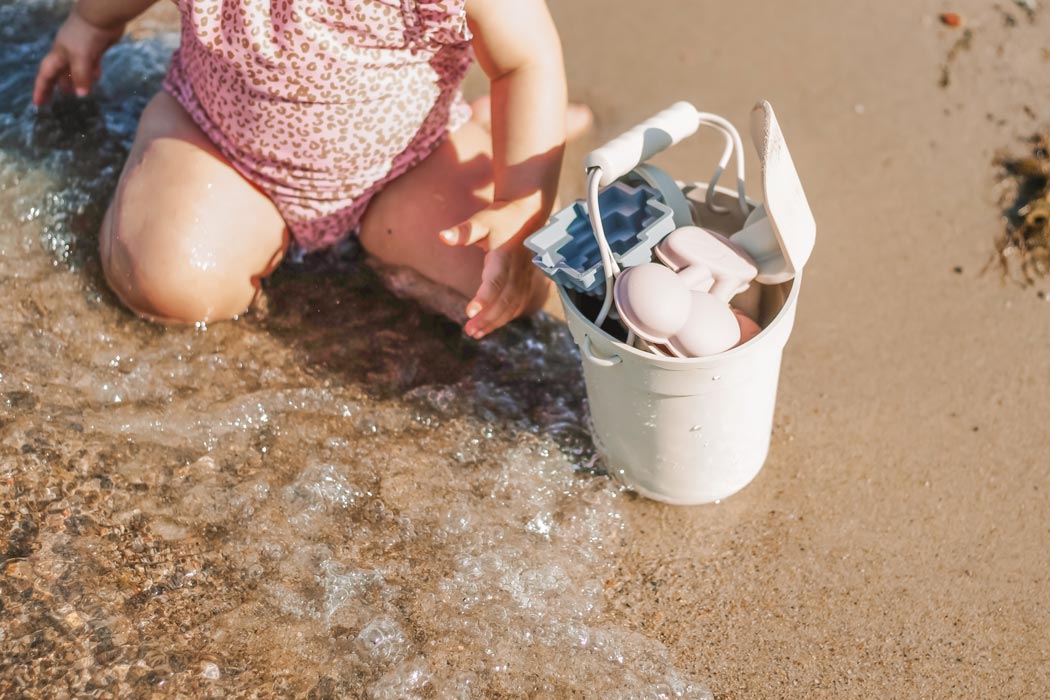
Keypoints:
pixel 304 120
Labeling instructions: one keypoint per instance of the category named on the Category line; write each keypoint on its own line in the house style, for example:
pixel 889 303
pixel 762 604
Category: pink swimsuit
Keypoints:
pixel 320 103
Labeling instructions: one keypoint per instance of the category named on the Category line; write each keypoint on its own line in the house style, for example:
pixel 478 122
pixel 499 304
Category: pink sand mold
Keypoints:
pixel 634 219
pixel 684 306
pixel 721 267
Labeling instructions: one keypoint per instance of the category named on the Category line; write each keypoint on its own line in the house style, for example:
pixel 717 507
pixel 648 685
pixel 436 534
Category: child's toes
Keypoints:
pixel 482 111
pixel 578 121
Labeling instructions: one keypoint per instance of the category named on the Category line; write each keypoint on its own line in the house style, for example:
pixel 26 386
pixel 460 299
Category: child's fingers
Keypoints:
pixel 500 220
pixel 480 308
pixel 82 70
pixel 53 65
pixel 499 300
pixel 493 317
pixel 467 233
pixel 484 323
pixel 488 293
pixel 504 310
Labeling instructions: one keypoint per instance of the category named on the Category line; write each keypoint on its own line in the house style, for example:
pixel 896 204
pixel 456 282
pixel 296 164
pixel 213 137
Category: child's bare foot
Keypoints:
pixel 578 120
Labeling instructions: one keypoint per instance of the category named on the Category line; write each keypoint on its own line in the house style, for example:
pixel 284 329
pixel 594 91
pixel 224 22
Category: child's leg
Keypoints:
pixel 402 222
pixel 186 238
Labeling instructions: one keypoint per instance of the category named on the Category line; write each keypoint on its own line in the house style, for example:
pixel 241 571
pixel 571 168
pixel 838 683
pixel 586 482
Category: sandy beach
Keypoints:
pixel 896 543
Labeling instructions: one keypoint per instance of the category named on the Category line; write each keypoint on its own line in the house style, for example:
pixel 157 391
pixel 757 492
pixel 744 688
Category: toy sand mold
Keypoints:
pixel 687 431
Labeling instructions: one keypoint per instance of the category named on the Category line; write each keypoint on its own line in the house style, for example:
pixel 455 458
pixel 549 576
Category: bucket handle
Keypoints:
pixel 631 149
pixel 588 352
pixel 658 133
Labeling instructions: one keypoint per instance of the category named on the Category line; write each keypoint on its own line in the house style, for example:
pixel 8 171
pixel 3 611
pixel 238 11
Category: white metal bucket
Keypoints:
pixel 686 431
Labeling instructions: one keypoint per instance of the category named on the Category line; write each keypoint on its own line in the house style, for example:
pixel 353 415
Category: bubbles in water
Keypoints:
pixel 405 682
pixel 338 496
pixel 541 524
pixel 382 638
pixel 321 487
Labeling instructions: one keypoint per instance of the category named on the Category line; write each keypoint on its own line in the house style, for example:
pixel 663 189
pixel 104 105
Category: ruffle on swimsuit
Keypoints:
pixel 443 23
pixel 320 103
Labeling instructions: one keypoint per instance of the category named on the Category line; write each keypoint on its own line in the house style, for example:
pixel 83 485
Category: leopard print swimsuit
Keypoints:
pixel 319 103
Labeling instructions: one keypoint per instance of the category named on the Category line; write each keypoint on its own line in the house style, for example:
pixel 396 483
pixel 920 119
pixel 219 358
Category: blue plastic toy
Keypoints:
pixel 635 220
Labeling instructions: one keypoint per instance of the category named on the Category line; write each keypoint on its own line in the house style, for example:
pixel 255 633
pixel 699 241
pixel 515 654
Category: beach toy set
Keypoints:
pixel 681 298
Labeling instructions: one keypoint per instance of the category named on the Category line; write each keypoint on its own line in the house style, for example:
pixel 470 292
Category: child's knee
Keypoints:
pixel 172 282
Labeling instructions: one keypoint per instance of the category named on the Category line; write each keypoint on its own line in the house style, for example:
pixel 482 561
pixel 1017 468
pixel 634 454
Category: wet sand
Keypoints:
pixel 896 544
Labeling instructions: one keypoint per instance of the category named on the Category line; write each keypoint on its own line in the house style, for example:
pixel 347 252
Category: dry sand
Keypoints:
pixel 897 543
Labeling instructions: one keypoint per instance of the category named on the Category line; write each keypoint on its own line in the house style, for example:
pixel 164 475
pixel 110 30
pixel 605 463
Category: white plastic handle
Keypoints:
pixel 588 352
pixel 623 153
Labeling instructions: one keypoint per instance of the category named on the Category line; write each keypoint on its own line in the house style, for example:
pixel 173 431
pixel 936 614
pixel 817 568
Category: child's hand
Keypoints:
pixel 74 60
pixel 510 283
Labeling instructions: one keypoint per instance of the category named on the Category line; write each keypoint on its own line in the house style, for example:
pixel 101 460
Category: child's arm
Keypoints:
pixel 91 28
pixel 518 47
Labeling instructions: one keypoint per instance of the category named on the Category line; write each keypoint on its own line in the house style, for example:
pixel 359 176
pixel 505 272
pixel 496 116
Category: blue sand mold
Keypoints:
pixel 634 219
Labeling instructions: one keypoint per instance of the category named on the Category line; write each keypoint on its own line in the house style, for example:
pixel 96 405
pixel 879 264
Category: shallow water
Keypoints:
pixel 336 496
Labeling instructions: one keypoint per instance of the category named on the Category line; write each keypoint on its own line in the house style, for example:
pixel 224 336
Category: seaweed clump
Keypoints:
pixel 1023 250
